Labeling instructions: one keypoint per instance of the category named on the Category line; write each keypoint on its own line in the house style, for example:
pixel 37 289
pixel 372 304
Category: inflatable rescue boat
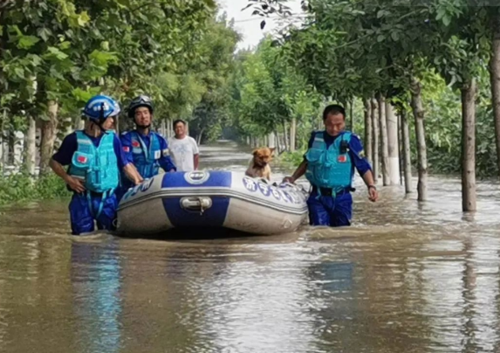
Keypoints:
pixel 211 199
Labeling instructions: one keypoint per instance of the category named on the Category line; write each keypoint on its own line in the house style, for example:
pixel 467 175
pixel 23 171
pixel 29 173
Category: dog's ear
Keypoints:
pixel 272 149
pixel 254 152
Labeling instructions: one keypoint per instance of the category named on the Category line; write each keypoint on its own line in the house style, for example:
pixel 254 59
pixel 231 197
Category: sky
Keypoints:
pixel 248 25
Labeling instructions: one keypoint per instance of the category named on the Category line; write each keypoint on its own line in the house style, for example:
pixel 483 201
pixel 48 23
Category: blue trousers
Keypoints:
pixel 82 217
pixel 330 211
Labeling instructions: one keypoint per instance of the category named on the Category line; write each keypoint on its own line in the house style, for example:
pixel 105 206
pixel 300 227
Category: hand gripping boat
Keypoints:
pixel 211 199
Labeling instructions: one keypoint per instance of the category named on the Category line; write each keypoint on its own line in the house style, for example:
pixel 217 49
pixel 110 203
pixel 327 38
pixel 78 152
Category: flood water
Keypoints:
pixel 406 277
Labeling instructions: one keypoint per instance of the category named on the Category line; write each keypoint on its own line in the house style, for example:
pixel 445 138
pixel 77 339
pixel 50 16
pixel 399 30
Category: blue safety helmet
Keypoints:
pixel 99 108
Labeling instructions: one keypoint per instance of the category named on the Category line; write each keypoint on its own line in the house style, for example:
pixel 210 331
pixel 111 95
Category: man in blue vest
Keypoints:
pixel 95 158
pixel 329 166
pixel 146 149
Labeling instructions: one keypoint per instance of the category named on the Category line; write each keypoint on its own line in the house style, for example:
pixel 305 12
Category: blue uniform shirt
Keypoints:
pixel 165 161
pixel 70 145
pixel 355 151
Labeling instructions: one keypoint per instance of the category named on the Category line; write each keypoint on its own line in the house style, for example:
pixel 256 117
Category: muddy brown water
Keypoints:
pixel 406 277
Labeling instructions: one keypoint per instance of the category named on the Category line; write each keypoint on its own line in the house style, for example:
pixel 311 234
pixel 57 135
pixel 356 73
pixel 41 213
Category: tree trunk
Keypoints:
pixel 293 134
pixel 271 140
pixel 6 152
pixel 351 128
pixel 400 149
pixel 11 143
pixel 1 151
pixel 66 128
pixel 279 141
pixel 2 138
pixel 49 133
pixel 285 137
pixel 383 139
pixel 17 149
pixel 368 131
pixel 375 145
pixel 187 128
pixel 31 146
pixel 405 137
pixel 200 135
pixel 418 113
pixel 469 146
pixel 163 128
pixel 392 144
pixel 495 82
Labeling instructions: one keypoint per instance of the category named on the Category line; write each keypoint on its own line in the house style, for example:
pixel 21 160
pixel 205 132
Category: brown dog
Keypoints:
pixel 259 165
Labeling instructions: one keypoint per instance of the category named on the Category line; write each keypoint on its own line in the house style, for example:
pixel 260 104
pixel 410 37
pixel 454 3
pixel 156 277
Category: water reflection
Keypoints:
pixel 257 300
pixel 95 275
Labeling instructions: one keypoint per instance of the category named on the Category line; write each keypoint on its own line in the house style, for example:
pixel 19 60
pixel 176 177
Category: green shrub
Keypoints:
pixel 21 187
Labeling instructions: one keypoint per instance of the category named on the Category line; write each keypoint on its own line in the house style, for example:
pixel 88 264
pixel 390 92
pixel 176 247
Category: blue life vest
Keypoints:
pixel 97 166
pixel 328 167
pixel 146 160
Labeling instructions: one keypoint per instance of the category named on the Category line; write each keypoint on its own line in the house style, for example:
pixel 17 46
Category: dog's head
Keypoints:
pixel 263 156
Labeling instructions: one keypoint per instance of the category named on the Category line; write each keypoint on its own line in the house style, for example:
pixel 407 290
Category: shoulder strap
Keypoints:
pixel 83 141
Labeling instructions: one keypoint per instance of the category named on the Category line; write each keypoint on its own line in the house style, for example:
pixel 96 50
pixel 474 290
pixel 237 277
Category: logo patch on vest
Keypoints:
pixel 342 158
pixel 136 144
pixel 81 159
pixel 157 154
pixel 126 149
pixel 165 152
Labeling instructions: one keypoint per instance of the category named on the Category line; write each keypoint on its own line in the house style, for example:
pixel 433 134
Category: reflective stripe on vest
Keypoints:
pixel 327 167
pixel 146 160
pixel 97 166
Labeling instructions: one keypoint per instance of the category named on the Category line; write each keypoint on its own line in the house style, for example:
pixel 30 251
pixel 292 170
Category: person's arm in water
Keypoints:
pixel 362 166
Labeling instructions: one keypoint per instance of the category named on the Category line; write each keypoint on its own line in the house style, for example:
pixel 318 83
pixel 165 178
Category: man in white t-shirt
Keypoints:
pixel 183 149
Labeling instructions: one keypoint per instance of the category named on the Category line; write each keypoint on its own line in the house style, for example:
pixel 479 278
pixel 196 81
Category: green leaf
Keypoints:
pixel 65 45
pixel 26 42
pixel 123 3
pixel 19 72
pixel 446 20
pixel 35 59
pixel 105 45
pixel 83 18
pixel 44 33
pixel 55 52
pixel 103 58
pixel 15 29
